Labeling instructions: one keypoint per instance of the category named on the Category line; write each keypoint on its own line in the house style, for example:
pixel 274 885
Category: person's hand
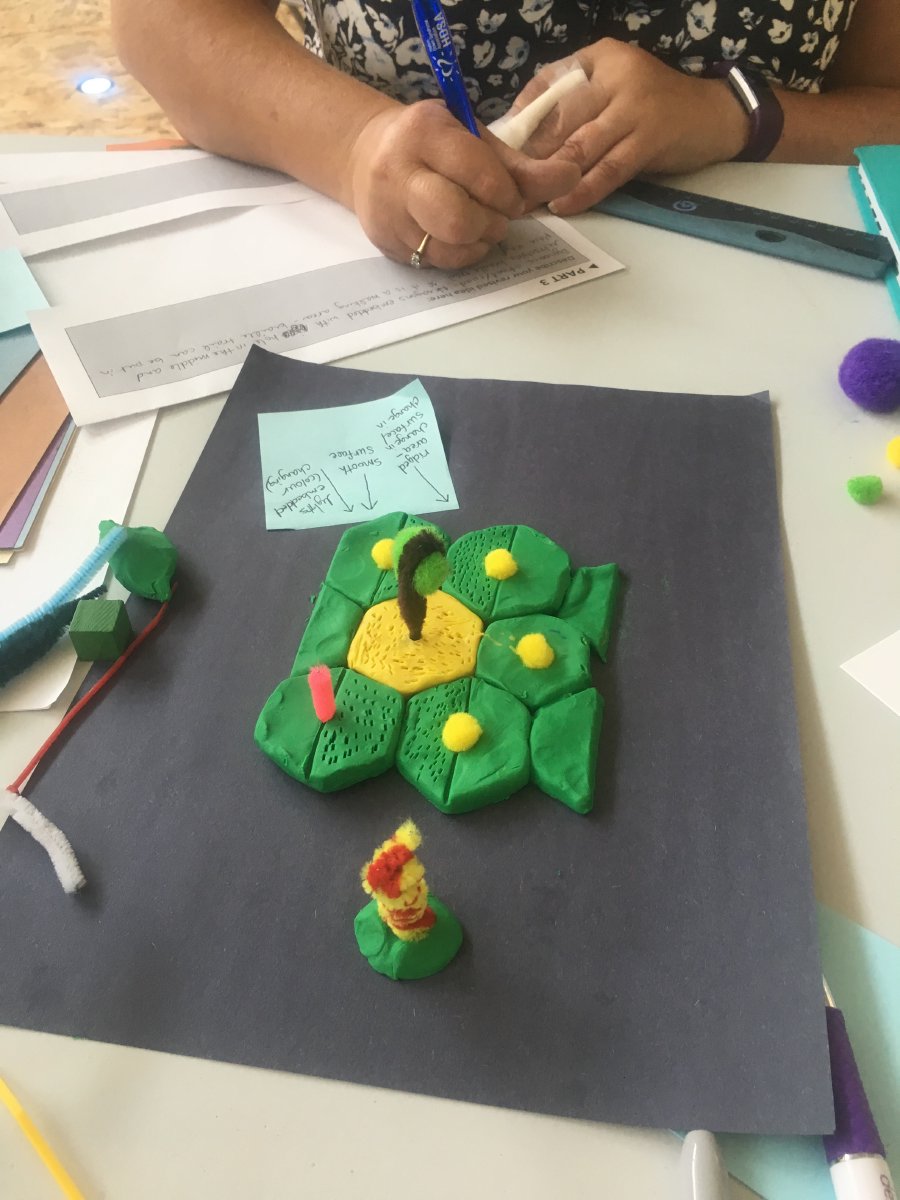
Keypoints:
pixel 415 170
pixel 635 114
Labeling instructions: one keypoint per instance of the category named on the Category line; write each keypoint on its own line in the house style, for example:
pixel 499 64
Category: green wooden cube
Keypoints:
pixel 100 630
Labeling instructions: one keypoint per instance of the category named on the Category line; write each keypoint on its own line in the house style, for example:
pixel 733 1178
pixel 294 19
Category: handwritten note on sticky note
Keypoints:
pixel 336 466
pixel 19 291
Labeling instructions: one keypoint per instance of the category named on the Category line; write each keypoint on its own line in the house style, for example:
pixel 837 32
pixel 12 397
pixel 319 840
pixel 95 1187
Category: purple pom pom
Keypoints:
pixel 870 374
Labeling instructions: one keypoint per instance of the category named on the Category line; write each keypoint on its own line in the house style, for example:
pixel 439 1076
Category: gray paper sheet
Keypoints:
pixel 35 209
pixel 652 963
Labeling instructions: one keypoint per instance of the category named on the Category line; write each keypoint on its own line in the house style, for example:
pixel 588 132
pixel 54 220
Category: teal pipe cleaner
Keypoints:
pixel 101 553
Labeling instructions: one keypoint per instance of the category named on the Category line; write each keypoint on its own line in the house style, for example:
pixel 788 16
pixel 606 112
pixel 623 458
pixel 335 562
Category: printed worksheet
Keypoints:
pixel 185 303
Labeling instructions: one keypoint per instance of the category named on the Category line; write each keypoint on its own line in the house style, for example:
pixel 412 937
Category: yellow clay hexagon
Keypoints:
pixel 383 650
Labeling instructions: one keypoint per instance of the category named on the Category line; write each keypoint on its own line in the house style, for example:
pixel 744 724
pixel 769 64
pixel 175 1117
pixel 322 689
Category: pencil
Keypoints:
pixel 43 1151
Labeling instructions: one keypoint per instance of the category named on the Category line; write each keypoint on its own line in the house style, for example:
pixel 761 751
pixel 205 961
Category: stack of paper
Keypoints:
pixel 34 421
pixel 55 486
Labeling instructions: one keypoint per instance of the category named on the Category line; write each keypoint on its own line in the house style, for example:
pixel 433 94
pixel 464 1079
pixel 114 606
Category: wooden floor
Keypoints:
pixel 46 47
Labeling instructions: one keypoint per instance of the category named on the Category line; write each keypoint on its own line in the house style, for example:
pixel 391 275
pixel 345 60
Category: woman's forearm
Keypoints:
pixel 234 82
pixel 825 128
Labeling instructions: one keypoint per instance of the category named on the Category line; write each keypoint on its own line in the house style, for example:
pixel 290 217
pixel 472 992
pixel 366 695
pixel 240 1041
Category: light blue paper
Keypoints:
pixel 863 972
pixel 19 291
pixel 337 466
pixel 17 348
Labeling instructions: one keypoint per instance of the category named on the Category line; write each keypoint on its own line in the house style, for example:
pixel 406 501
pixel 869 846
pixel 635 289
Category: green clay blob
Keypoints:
pixel 358 743
pixel 330 630
pixel 397 959
pixel 564 741
pixel 865 489
pixel 590 602
pixel 145 562
pixel 499 664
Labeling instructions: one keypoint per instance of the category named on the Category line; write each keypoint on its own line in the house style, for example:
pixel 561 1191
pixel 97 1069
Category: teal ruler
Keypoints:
pixel 831 247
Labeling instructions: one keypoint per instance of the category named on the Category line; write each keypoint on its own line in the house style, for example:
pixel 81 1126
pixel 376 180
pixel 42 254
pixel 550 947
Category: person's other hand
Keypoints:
pixel 415 169
pixel 634 115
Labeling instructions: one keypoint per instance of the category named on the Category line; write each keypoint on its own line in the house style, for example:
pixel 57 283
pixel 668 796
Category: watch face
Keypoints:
pixel 743 89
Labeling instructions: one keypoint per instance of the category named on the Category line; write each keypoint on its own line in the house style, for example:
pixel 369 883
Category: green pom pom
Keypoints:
pixel 865 489
pixel 405 535
pixel 145 562
pixel 430 574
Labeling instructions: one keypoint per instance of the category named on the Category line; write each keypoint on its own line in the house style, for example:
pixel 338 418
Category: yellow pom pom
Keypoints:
pixel 500 564
pixel 382 553
pixel 461 731
pixel 535 651
pixel 893 452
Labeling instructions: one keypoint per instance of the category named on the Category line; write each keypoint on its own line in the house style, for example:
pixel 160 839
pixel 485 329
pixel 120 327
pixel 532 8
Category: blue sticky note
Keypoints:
pixel 17 348
pixel 863 972
pixel 337 466
pixel 19 291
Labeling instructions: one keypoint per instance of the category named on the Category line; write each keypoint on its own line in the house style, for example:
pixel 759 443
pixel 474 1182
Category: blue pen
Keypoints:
pixel 438 41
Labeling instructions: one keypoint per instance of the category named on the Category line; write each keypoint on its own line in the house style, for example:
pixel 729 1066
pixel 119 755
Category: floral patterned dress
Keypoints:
pixel 501 43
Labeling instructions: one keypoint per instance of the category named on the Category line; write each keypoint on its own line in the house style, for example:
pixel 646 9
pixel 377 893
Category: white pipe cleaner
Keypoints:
pixel 54 841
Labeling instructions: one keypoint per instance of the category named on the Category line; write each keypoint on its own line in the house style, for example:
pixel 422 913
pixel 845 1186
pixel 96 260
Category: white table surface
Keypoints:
pixel 685 316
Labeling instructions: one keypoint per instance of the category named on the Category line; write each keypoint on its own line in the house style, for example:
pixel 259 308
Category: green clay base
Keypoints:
pixel 564 741
pixel 539 725
pixel 330 630
pixel 541 581
pixel 499 763
pixel 590 602
pixel 499 664
pixel 539 585
pixel 390 956
pixel 358 743
pixel 468 581
pixel 353 572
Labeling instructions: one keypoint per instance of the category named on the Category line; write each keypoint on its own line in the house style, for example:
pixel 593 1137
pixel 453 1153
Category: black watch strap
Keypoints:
pixel 761 106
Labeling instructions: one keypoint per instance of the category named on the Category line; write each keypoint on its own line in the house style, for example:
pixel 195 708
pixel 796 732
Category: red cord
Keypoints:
pixel 73 712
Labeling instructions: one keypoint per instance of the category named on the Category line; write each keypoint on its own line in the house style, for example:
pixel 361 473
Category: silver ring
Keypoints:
pixel 415 259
